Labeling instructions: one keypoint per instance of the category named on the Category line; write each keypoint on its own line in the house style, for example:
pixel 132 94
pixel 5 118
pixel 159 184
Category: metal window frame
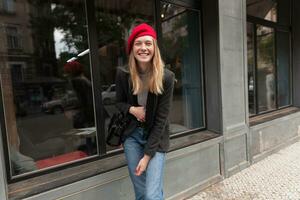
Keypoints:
pixel 193 7
pixel 254 64
pixel 255 21
pixel 13 37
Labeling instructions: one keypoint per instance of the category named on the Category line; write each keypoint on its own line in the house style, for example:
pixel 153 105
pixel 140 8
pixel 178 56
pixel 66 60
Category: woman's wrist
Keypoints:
pixel 131 110
pixel 147 157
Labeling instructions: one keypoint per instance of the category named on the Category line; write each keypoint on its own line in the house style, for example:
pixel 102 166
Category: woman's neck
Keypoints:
pixel 144 68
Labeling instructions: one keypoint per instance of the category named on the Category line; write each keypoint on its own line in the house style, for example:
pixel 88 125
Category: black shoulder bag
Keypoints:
pixel 116 128
pixel 117 125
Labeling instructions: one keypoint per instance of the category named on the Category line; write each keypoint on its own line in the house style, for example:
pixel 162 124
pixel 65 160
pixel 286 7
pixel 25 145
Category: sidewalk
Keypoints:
pixel 277 177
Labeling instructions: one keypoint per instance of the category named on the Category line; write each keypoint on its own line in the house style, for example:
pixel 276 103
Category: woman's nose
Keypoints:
pixel 143 47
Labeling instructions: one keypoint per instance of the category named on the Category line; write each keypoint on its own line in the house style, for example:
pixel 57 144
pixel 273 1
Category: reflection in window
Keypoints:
pixel 265 9
pixel 49 114
pixel 16 73
pixel 7 5
pixel 115 19
pixel 283 68
pixel 180 49
pixel 266 68
pixel 13 38
pixel 269 51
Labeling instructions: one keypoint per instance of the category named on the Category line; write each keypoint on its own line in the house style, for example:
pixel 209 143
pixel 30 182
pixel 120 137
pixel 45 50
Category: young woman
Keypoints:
pixel 144 93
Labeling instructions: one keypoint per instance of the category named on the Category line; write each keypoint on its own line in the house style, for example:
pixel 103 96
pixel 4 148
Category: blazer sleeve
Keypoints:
pixel 161 116
pixel 121 92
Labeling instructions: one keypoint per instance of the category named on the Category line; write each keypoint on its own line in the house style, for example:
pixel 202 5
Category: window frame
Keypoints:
pixel 255 22
pixel 13 40
pixel 194 6
pixel 8 6
pixel 22 65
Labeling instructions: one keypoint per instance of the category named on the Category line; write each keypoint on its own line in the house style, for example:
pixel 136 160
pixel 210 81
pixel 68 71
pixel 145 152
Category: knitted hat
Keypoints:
pixel 138 31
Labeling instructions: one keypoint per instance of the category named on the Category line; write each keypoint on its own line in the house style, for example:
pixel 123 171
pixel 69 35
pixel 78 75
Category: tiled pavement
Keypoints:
pixel 277 177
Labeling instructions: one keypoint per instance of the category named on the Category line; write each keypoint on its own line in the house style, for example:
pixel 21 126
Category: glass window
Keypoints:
pixel 180 46
pixel 283 68
pixel 47 92
pixel 266 86
pixel 114 21
pixel 264 9
pixel 13 38
pixel 16 73
pixel 7 5
pixel 181 53
pixel 269 51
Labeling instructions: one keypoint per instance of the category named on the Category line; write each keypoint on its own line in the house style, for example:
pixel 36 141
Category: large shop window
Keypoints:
pixel 269 51
pixel 47 96
pixel 47 76
pixel 181 53
pixel 114 22
pixel 180 46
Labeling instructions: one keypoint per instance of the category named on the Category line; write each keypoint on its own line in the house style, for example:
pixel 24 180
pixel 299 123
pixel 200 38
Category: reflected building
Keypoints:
pixel 37 44
pixel 29 54
pixel 16 59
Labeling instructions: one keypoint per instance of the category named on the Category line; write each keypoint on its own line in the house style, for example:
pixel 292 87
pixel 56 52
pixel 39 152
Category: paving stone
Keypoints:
pixel 276 177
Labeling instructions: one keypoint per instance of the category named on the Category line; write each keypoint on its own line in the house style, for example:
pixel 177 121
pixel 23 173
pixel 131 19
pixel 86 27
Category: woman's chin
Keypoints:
pixel 144 60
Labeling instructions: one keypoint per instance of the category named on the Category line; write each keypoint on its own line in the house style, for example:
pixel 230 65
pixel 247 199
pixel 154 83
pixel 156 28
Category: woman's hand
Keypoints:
pixel 142 166
pixel 138 112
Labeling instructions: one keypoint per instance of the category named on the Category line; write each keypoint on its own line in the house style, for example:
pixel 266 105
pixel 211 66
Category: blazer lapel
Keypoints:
pixel 150 108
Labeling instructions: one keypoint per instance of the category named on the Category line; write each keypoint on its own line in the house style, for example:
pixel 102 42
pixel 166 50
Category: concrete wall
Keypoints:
pixel 233 78
pixel 187 171
pixel 243 144
pixel 274 135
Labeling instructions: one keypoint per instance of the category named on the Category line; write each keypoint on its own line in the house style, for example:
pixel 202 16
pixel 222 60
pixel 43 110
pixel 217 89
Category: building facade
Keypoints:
pixel 236 96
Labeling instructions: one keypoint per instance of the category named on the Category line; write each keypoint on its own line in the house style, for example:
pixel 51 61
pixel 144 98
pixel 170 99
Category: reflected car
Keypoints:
pixel 109 95
pixel 68 101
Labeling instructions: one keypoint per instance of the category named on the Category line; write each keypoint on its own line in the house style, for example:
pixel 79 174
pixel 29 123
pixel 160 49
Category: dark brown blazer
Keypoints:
pixel 157 110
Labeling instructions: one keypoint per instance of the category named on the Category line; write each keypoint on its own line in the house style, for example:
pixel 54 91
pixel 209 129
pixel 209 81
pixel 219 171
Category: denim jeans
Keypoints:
pixel 149 185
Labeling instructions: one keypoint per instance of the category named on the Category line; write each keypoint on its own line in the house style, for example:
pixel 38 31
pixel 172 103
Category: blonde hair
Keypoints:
pixel 155 82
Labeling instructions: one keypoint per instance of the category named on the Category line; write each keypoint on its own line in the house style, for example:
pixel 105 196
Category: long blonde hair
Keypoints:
pixel 155 82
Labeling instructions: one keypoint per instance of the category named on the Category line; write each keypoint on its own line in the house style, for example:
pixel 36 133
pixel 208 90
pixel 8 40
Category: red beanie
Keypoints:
pixel 138 31
pixel 73 68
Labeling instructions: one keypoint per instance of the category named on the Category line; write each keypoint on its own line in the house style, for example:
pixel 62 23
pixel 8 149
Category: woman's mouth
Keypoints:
pixel 143 54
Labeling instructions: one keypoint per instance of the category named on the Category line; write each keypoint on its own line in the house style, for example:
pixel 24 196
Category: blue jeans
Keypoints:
pixel 149 185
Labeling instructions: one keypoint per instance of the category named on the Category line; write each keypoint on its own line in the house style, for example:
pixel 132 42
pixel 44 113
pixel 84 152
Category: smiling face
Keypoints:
pixel 143 49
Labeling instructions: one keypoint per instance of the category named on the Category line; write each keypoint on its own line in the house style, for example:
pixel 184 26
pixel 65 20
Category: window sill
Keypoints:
pixel 272 115
pixel 36 185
